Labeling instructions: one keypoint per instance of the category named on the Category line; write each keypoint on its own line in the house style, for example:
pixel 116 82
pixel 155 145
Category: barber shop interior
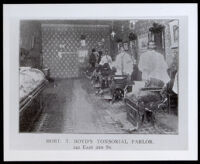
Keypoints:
pixel 99 76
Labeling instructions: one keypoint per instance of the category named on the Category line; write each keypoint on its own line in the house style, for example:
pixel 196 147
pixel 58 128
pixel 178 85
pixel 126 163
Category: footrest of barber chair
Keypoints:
pixel 107 96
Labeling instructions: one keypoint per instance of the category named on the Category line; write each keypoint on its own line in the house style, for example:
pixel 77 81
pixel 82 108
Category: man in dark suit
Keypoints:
pixel 92 58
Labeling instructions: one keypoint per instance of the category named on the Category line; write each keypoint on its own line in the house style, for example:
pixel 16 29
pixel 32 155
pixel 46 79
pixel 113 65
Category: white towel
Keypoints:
pixel 175 86
pixel 153 65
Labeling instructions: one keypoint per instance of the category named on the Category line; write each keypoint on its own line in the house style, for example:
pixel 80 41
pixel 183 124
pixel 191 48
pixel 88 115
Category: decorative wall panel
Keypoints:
pixel 60 45
pixel 30 31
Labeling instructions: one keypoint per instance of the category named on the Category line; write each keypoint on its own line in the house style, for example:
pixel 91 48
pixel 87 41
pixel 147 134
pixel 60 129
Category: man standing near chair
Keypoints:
pixel 123 63
pixel 153 65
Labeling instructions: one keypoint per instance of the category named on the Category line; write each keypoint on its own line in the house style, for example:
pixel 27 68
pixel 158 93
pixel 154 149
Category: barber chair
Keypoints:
pixel 118 85
pixel 142 102
pixel 105 75
pixel 103 79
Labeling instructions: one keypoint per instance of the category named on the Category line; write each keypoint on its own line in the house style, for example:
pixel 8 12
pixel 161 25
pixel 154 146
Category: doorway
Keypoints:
pixel 157 34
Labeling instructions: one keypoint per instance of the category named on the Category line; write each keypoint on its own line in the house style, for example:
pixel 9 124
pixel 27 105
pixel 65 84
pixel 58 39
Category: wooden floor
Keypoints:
pixel 71 106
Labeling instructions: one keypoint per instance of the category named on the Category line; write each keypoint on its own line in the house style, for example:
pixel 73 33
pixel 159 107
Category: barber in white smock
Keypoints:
pixel 123 63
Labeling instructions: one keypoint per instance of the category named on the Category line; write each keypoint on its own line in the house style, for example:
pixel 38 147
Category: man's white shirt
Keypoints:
pixel 106 59
pixel 123 64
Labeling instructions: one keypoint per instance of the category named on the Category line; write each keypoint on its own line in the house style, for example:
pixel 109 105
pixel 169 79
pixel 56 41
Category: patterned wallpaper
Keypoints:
pixel 60 44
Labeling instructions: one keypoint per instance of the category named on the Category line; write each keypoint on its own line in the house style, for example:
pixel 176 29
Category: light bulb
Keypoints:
pixel 113 34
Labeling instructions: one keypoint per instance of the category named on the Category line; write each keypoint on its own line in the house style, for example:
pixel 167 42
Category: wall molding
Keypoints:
pixel 73 25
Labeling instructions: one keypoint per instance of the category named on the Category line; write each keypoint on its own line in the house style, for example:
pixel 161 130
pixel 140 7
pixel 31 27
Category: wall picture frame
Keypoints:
pixel 174 33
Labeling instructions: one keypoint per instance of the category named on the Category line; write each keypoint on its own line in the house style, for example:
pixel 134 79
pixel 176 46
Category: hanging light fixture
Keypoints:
pixel 122 28
pixel 132 24
pixel 112 33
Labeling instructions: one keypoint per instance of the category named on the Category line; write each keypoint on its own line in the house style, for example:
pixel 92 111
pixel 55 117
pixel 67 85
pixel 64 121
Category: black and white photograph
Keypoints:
pixel 93 82
pixel 99 76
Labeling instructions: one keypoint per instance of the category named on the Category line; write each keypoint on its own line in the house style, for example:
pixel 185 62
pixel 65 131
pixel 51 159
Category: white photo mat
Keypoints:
pixel 165 147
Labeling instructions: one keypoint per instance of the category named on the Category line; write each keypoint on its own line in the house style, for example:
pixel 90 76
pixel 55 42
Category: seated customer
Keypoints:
pixel 106 59
pixel 103 65
pixel 105 71
pixel 95 77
